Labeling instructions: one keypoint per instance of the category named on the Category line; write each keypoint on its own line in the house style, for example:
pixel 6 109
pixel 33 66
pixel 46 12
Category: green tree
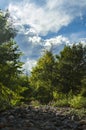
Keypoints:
pixel 6 28
pixel 10 64
pixel 71 68
pixel 23 81
pixel 42 78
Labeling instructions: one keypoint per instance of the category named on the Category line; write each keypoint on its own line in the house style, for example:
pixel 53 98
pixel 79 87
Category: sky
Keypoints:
pixel 41 23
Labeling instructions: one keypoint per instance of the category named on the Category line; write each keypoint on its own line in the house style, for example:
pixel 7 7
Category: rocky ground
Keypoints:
pixel 43 118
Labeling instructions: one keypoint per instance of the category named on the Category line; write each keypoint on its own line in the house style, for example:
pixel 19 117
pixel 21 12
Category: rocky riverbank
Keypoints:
pixel 42 118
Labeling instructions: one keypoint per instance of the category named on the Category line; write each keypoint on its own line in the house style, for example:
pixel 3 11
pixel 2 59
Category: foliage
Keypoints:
pixel 61 103
pixel 11 89
pixel 78 102
pixel 6 28
pixel 10 66
pixel 80 113
pixel 23 81
pixel 63 75
pixel 83 91
pixel 8 98
pixel 42 78
pixel 35 103
pixel 70 101
pixel 60 79
pixel 71 65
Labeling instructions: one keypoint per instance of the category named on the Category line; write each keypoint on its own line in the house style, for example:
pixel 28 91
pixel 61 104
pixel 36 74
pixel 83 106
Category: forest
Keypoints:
pixel 56 79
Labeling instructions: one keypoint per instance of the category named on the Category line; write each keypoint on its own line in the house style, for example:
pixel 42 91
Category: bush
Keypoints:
pixel 35 103
pixel 78 101
pixel 61 103
pixel 8 98
pixel 43 95
pixel 83 92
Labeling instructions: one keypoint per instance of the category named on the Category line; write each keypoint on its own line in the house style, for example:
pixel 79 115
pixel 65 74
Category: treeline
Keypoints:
pixel 61 76
pixel 56 79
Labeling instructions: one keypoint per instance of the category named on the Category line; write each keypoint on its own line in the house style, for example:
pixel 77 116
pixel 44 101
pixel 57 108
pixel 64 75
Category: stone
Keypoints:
pixel 44 118
pixel 11 117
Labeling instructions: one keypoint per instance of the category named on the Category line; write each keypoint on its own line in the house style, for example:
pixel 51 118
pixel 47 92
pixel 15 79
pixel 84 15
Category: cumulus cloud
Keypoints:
pixel 31 32
pixel 58 40
pixel 50 17
pixel 29 64
pixel 35 39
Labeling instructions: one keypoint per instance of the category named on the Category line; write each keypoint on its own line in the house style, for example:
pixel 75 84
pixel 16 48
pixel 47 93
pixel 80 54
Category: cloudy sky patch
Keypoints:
pixel 41 23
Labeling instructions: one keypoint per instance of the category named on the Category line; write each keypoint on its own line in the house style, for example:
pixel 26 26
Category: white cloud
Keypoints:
pixel 29 64
pixel 57 40
pixel 31 32
pixel 50 17
pixel 83 42
pixel 35 39
pixel 39 44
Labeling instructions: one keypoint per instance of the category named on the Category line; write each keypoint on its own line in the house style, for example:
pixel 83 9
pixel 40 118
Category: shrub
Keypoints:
pixel 8 98
pixel 35 103
pixel 78 101
pixel 61 103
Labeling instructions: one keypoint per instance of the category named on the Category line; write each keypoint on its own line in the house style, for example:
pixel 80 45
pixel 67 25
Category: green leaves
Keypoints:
pixel 70 68
pixel 9 62
pixel 8 98
pixel 10 65
pixel 63 74
pixel 42 79
pixel 6 28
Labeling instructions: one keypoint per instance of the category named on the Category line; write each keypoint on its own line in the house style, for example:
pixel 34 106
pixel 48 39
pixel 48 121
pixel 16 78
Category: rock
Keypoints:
pixel 27 123
pixel 50 127
pixel 82 122
pixel 44 118
pixel 11 117
pixel 6 128
pixel 58 123
pixel 84 127
pixel 2 125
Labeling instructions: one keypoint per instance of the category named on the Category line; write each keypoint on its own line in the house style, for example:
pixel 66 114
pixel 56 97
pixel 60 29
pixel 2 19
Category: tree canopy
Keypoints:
pixel 71 67
pixel 63 74
pixel 42 78
pixel 7 31
pixel 10 64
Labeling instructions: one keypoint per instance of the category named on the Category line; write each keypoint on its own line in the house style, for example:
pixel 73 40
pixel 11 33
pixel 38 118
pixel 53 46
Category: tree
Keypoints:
pixel 10 64
pixel 6 28
pixel 23 81
pixel 71 68
pixel 42 78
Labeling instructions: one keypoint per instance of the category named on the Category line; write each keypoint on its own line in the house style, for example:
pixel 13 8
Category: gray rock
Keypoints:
pixel 44 118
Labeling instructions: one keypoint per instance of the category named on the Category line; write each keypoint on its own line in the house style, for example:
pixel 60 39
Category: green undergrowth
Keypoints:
pixel 70 100
pixel 80 113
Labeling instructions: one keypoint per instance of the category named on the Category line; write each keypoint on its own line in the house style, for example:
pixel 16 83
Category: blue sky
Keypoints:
pixel 42 22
